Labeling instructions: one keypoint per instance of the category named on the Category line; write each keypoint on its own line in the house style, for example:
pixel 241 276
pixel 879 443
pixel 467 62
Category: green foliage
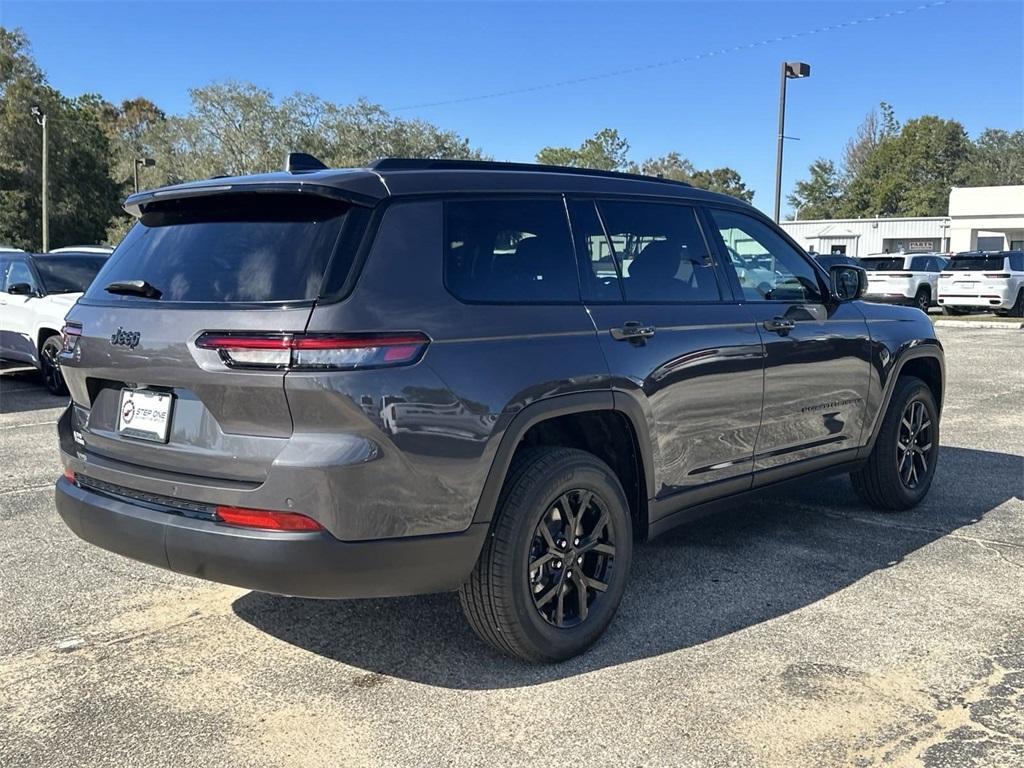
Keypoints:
pixel 997 159
pixel 82 196
pixel 604 151
pixel 911 174
pixel 671 166
pixel 820 196
pixel 723 180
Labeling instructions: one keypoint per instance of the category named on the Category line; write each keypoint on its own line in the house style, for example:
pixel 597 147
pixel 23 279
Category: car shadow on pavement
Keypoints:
pixel 766 558
pixel 22 390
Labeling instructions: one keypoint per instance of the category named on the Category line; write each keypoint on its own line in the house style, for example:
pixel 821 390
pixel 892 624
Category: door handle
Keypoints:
pixel 633 332
pixel 780 325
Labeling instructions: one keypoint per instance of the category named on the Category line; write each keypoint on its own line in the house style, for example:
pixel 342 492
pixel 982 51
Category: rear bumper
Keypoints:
pixel 299 564
pixel 999 300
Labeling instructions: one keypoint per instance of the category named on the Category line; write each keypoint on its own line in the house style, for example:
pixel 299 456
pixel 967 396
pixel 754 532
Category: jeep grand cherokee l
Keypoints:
pixel 491 378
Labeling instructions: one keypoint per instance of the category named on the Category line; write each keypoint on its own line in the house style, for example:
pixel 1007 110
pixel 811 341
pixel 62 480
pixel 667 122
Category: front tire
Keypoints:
pixel 49 366
pixel 901 467
pixel 552 573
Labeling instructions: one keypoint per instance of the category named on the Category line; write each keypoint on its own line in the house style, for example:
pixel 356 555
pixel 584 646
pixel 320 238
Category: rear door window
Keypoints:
pixel 237 248
pixel 975 264
pixel 516 251
pixel 660 252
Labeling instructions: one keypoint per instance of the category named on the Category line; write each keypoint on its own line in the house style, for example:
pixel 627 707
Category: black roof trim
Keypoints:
pixel 426 164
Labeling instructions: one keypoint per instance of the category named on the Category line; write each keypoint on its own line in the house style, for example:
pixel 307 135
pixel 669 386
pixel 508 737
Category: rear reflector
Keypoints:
pixel 315 352
pixel 267 519
pixel 69 475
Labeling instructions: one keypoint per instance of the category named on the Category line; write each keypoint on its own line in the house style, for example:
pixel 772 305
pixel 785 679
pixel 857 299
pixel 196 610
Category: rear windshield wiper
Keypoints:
pixel 133 288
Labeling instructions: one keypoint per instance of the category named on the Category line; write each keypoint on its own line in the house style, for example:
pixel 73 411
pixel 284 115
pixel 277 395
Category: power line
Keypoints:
pixel 678 61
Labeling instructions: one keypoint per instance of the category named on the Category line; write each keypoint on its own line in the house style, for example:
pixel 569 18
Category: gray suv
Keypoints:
pixel 443 375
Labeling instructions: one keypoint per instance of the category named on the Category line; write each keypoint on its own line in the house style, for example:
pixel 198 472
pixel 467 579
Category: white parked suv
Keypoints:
pixel 982 280
pixel 904 278
pixel 36 292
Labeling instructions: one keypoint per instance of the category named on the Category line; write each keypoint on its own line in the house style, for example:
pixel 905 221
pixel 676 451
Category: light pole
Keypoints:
pixel 142 162
pixel 40 117
pixel 790 70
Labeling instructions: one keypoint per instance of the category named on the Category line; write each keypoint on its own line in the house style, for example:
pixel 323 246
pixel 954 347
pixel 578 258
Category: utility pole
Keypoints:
pixel 40 117
pixel 142 162
pixel 790 69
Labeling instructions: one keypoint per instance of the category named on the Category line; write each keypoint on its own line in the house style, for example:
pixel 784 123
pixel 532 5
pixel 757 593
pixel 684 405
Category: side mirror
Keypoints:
pixel 20 289
pixel 848 282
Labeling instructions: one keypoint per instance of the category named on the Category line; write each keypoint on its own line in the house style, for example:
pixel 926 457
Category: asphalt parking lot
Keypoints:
pixel 800 630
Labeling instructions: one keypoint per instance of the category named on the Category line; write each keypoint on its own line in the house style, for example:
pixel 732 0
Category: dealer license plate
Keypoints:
pixel 144 414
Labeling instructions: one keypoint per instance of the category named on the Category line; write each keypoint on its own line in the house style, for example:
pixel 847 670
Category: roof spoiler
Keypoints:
pixel 301 162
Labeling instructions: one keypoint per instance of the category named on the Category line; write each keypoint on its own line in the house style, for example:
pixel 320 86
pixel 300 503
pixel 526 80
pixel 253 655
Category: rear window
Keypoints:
pixel 509 251
pixel 68 274
pixel 232 248
pixel 884 265
pixel 975 263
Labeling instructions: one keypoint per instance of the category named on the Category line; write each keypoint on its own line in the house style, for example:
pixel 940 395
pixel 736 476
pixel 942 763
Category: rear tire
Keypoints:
pixel 562 527
pixel 1017 310
pixel 923 299
pixel 901 466
pixel 49 366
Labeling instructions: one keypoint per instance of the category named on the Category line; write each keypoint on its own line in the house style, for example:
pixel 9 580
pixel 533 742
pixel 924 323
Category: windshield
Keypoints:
pixel 68 274
pixel 889 264
pixel 233 248
pixel 975 263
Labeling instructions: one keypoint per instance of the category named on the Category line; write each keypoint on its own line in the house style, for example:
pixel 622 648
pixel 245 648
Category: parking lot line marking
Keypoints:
pixel 28 489
pixel 30 424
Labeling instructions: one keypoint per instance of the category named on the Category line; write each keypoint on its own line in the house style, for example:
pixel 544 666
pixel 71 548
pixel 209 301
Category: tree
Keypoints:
pixel 604 151
pixel 870 133
pixel 997 158
pixel 82 196
pixel 671 166
pixel 723 180
pixel 821 195
pixel 911 174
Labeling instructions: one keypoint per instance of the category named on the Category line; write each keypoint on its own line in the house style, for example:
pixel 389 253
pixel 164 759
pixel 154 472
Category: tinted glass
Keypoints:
pixel 20 273
pixel 920 264
pixel 888 264
pixel 232 248
pixel 68 274
pixel 768 268
pixel 660 251
pixel 1017 262
pixel 975 263
pixel 509 251
pixel 599 277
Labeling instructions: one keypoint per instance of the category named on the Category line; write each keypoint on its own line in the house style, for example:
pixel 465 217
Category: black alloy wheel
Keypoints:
pixel 571 558
pixel 49 366
pixel 914 444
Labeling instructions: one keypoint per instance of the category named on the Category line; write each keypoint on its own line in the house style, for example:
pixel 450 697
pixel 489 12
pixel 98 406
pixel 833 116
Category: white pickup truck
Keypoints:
pixel 36 292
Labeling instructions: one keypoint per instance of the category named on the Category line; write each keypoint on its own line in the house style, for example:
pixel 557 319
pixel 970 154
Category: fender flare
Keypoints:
pixel 930 349
pixel 550 408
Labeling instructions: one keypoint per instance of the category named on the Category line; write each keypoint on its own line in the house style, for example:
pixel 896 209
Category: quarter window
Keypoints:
pixel 768 268
pixel 660 252
pixel 509 251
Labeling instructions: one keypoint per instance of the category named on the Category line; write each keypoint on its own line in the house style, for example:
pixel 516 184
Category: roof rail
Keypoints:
pixel 427 164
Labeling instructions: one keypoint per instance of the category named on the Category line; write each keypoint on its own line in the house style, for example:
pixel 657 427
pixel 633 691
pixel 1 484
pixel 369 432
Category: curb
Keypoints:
pixel 1002 326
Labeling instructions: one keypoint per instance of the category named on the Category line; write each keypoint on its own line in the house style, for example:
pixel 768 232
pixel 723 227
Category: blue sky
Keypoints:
pixel 959 60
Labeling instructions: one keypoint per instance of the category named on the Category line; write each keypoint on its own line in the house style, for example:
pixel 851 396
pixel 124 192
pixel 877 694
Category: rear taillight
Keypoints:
pixel 998 276
pixel 69 336
pixel 70 476
pixel 267 519
pixel 315 352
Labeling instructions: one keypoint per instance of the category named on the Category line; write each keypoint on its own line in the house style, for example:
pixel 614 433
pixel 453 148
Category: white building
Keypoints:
pixel 980 218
